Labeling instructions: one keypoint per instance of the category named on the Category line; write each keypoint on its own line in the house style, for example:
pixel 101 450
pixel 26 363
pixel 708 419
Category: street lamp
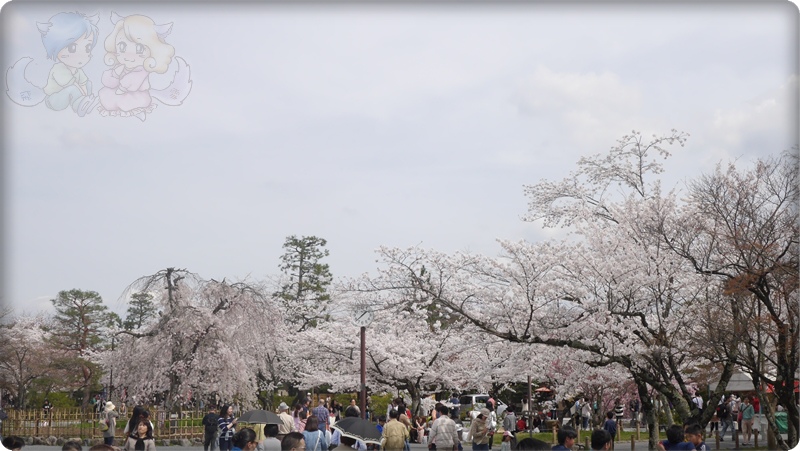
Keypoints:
pixel 362 316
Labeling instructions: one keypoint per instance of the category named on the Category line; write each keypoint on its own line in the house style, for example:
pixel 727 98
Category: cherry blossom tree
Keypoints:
pixel 411 347
pixel 614 291
pixel 600 194
pixel 631 165
pixel 740 226
pixel 210 340
pixel 24 355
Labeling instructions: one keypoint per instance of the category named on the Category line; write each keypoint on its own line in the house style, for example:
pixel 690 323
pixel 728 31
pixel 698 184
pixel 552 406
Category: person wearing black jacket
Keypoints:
pixel 210 429
pixel 725 419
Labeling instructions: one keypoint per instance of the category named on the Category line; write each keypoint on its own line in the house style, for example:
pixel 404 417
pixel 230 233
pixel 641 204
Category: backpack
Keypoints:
pixel 722 411
pixel 212 423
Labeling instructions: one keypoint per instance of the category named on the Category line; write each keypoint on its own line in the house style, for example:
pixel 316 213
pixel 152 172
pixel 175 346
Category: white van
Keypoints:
pixel 476 402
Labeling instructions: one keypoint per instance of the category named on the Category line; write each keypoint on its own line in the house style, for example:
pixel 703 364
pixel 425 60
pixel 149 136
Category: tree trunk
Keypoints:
pixel 668 413
pixel 87 386
pixel 650 413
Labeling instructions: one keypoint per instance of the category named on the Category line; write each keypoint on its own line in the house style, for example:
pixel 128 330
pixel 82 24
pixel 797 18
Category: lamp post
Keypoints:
pixel 362 316
pixel 363 371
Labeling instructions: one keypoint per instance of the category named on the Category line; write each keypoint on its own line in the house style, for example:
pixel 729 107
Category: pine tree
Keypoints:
pixel 141 311
pixel 305 295
pixel 79 319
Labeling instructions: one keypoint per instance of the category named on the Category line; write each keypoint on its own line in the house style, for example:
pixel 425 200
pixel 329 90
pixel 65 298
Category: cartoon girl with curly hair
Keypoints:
pixel 135 48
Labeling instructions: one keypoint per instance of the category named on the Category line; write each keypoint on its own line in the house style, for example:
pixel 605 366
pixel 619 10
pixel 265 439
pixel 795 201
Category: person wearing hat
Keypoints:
pixel 110 416
pixel 507 438
pixel 479 431
pixel 287 422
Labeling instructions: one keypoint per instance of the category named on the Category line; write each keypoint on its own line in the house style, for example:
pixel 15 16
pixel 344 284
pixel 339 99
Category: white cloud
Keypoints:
pixel 591 107
pixel 577 94
pixel 773 113
pixel 367 126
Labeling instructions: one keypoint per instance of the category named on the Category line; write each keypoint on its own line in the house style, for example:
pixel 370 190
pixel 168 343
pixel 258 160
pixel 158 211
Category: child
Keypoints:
pixel 381 424
pixel 674 440
pixel 694 435
pixel 566 439
pixel 69 39
pixel 610 426
pixel 72 445
pixel 134 49
pixel 506 444
pixel 601 440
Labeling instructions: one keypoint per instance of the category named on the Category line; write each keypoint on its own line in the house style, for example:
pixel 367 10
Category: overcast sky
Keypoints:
pixel 368 125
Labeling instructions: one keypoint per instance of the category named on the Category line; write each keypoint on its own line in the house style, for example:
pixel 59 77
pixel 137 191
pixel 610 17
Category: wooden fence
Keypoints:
pixel 76 423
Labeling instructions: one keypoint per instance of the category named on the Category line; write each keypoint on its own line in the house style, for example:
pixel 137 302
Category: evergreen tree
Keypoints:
pixel 141 311
pixel 77 331
pixel 305 294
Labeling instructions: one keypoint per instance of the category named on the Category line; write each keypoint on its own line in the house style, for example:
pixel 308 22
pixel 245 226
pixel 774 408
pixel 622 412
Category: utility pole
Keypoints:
pixel 363 371
pixel 362 317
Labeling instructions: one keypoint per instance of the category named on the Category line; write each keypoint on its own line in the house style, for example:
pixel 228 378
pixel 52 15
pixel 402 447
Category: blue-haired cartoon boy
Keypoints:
pixel 69 39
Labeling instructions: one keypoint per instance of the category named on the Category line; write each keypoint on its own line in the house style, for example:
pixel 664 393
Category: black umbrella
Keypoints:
pixel 259 417
pixel 358 429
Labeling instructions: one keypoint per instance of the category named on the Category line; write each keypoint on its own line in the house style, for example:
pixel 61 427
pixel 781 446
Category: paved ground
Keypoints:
pixel 639 446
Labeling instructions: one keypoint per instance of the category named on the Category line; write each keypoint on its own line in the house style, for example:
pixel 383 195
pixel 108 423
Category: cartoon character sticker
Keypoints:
pixel 135 49
pixel 68 38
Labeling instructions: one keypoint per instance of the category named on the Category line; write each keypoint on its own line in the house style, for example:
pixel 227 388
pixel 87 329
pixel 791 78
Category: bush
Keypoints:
pixel 57 399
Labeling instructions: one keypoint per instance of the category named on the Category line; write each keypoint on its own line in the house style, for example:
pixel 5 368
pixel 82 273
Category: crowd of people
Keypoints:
pixel 299 428
pixel 303 428
pixel 306 428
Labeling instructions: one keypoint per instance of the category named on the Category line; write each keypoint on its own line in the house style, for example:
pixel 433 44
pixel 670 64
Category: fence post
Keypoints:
pixel 554 435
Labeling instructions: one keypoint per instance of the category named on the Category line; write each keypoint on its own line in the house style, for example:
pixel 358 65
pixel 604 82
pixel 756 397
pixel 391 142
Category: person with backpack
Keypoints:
pixel 210 429
pixel 110 417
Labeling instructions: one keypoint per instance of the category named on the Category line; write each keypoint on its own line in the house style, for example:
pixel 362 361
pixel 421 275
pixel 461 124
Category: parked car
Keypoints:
pixel 476 402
